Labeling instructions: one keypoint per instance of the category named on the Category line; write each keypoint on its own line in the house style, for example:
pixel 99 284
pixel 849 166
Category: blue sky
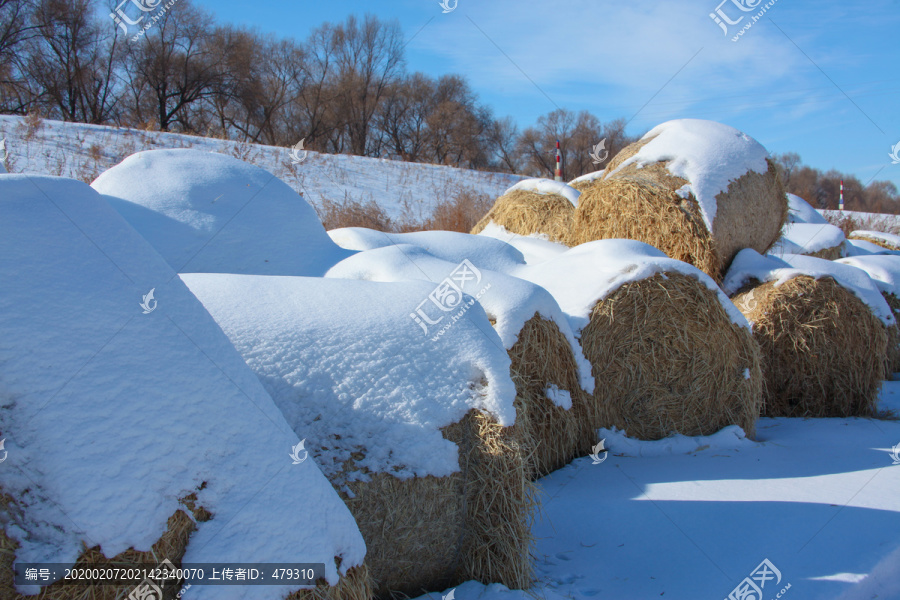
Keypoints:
pixel 818 78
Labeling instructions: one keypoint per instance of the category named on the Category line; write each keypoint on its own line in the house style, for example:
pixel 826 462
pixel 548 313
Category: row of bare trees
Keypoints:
pixel 344 89
pixel 822 189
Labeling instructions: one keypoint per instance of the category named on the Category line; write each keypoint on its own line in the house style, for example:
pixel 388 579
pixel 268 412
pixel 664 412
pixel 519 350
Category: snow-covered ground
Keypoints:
pixel 818 498
pixel 406 191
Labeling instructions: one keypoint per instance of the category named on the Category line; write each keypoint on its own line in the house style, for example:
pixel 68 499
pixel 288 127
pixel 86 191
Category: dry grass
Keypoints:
pixel 460 212
pixel 542 356
pixel 642 204
pixel 823 350
pixel 430 533
pixel 667 358
pixel 353 213
pixel 525 213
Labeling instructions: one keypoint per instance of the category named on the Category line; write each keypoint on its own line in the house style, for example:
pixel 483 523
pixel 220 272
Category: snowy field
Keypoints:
pixel 406 191
pixel 690 518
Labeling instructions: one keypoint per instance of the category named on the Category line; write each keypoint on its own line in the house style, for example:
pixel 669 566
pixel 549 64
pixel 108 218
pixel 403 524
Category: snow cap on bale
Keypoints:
pixel 801 211
pixel 552 376
pixel 534 206
pixel 485 252
pixel 585 181
pixel 821 240
pixel 208 212
pixel 822 327
pixel 534 248
pixel 126 397
pixel 749 267
pixel 413 432
pixel 668 350
pixel 698 190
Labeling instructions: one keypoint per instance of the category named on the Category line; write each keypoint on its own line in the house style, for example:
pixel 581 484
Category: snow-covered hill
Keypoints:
pixel 407 192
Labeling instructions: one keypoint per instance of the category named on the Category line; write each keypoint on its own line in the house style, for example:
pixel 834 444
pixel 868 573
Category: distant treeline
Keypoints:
pixel 344 89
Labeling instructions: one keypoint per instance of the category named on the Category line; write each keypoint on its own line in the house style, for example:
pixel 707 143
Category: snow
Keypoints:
pixel 728 438
pixel 535 248
pixel 111 415
pixel 801 211
pixel 455 247
pixel 708 155
pixel 586 274
pixel 349 368
pixel 749 265
pixel 588 177
pixel 561 398
pixel 207 212
pixel 803 238
pixel 507 300
pixel 883 269
pixel 817 497
pixel 877 236
pixel 548 187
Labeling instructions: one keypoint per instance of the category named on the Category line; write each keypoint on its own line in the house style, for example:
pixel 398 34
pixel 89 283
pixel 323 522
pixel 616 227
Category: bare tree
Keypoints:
pixel 73 60
pixel 368 62
pixel 175 65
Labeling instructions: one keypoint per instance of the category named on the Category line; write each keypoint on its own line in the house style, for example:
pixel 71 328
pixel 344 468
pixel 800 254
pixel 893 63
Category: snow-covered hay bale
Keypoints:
pixel 801 211
pixel 551 376
pixel 187 458
pixel 669 352
pixel 885 273
pixel 419 437
pixel 822 328
pixel 820 240
pixel 698 190
pixel 540 206
pixel 879 238
pixel 212 213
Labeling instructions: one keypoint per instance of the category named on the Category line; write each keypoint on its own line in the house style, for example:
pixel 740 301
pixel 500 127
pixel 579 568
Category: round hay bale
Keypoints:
pixel 483 510
pixel 671 360
pixel 439 490
pixel 534 207
pixel 668 351
pixel 542 364
pixel 879 238
pixel 822 347
pixel 647 195
pixel 550 403
pixel 884 271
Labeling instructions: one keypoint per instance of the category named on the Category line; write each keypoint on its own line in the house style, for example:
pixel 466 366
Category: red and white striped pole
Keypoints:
pixel 841 202
pixel 558 175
